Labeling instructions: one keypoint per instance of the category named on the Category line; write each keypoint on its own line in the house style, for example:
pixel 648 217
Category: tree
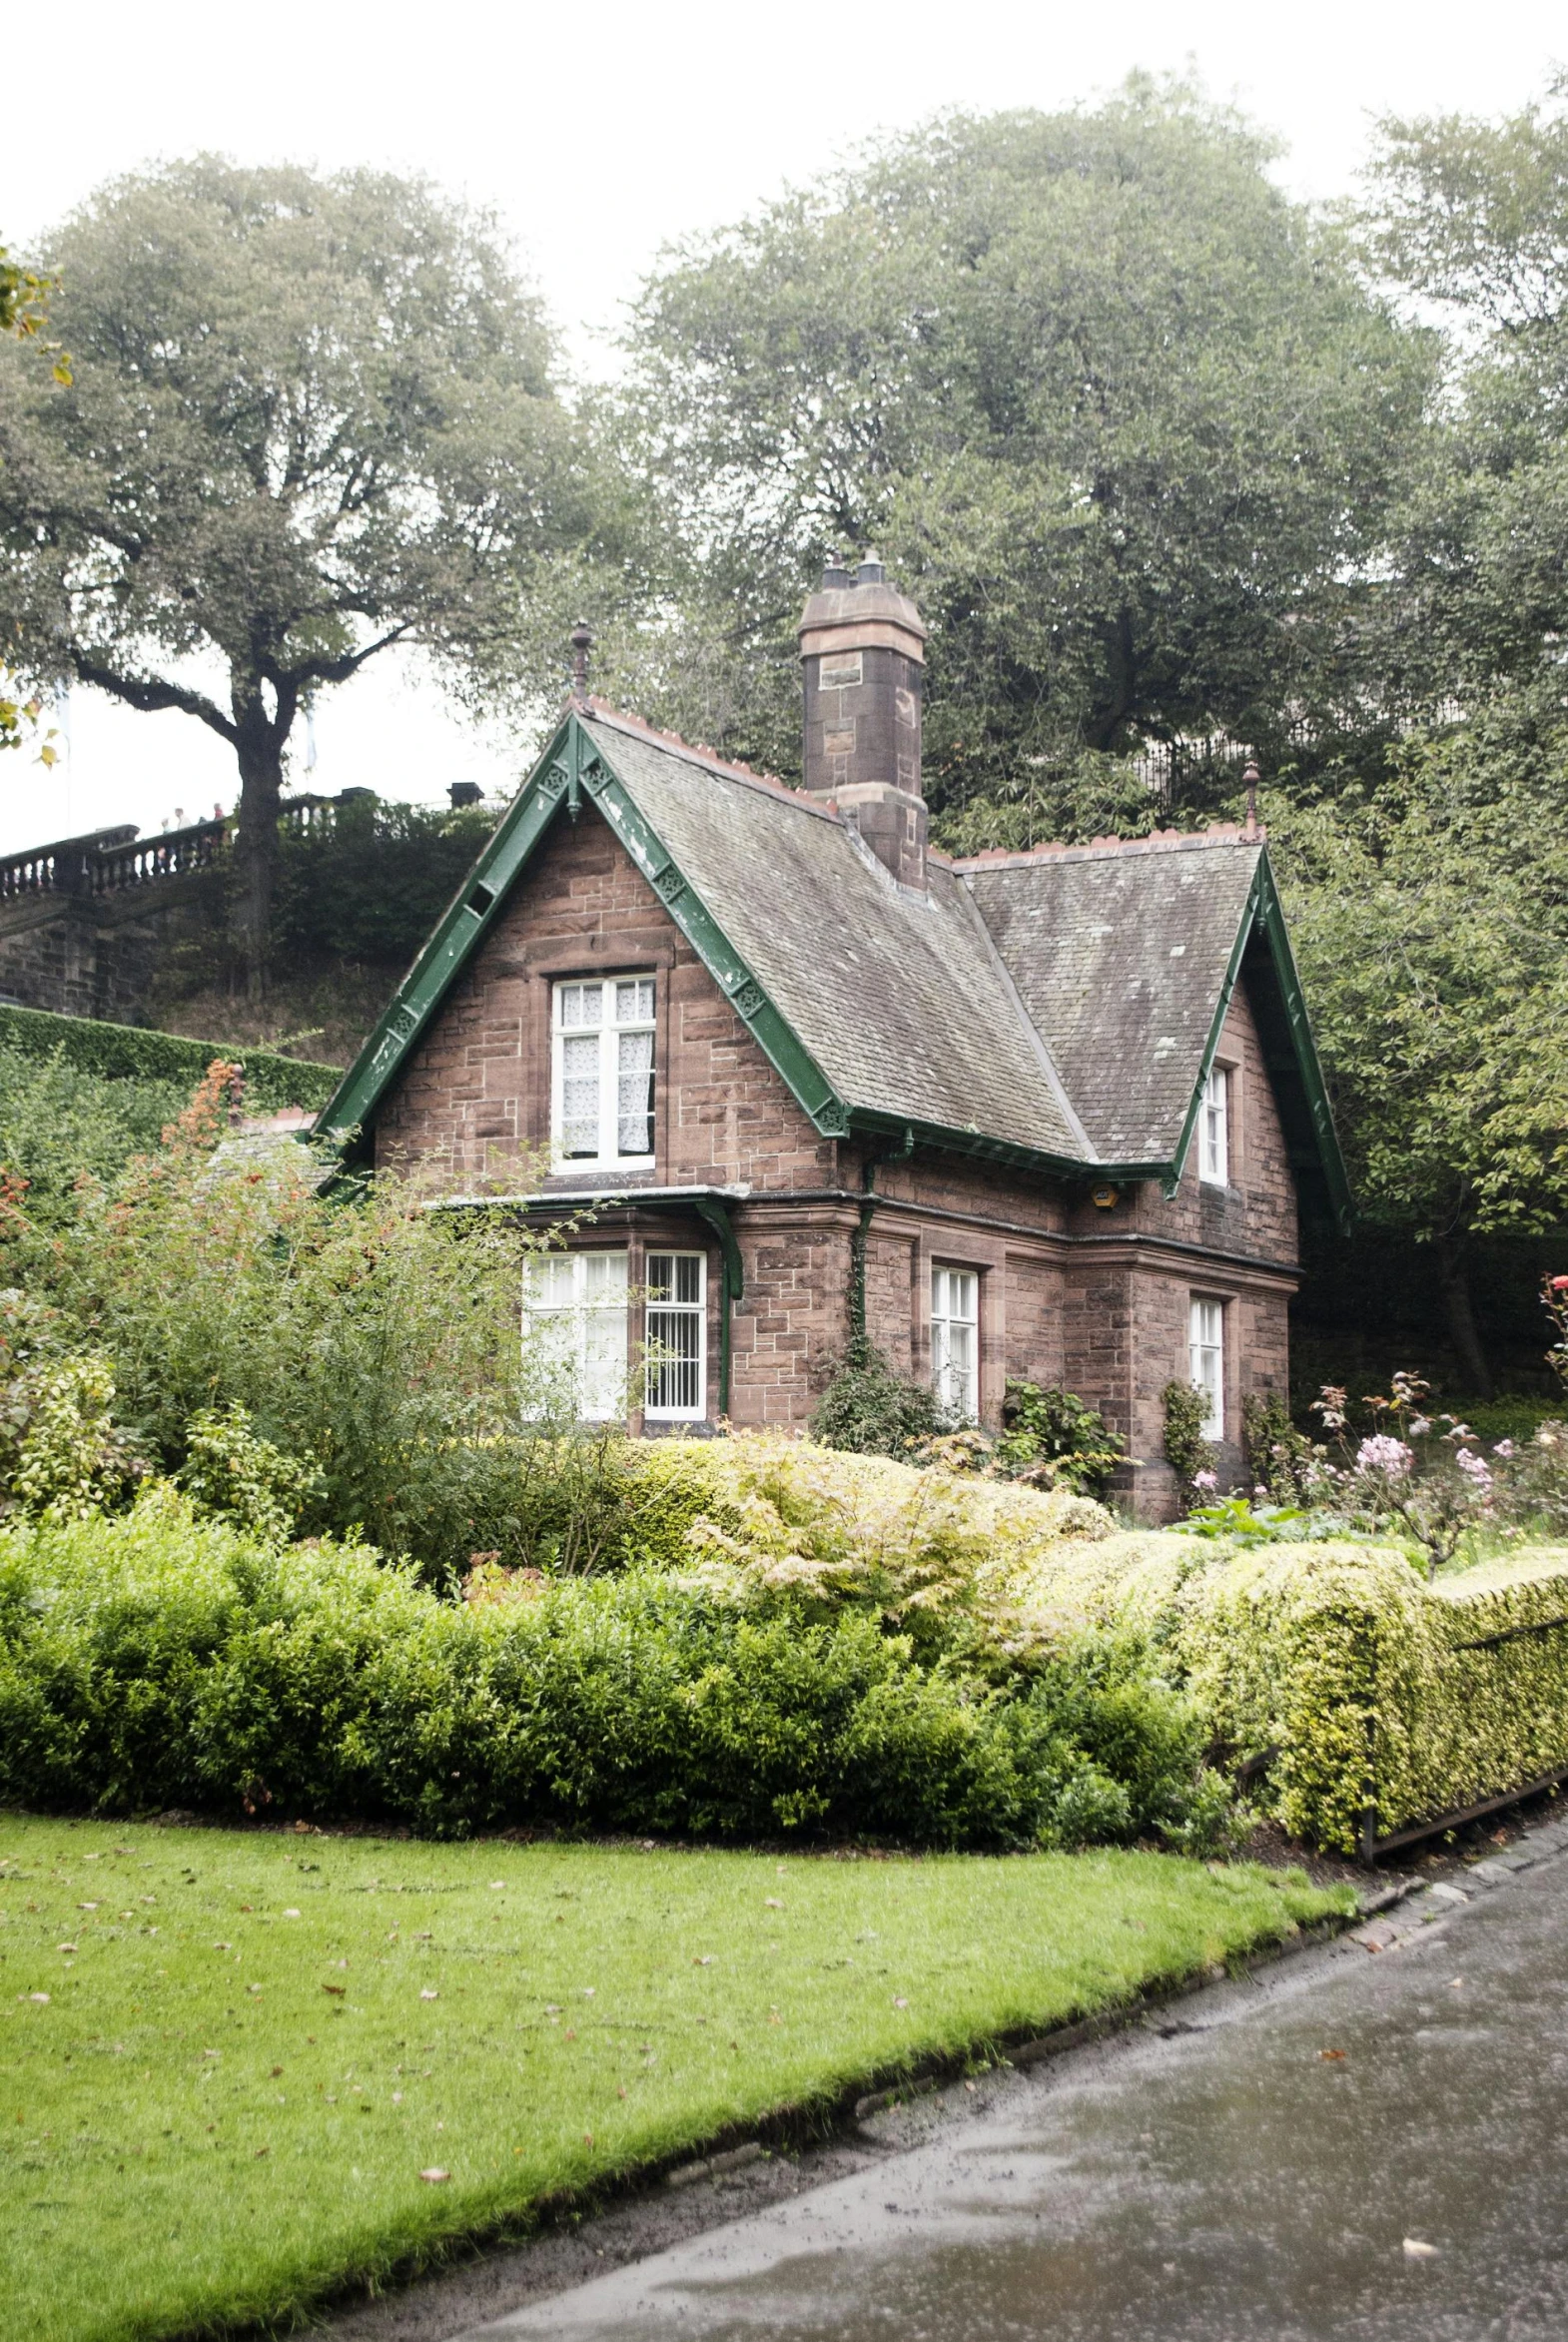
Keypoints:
pixel 312 419
pixel 1121 416
pixel 1472 217
pixel 1430 916
pixel 24 307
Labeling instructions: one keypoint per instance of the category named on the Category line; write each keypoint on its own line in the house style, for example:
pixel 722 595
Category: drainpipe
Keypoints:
pixel 857 1242
pixel 732 1280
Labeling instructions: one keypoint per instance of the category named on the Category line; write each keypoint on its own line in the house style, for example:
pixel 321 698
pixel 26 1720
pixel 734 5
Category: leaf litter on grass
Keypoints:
pixel 164 2173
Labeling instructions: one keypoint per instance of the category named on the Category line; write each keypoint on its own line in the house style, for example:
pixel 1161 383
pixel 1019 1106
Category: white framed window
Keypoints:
pixel 954 1341
pixel 602 1081
pixel 676 1331
pixel 576 1307
pixel 1206 1350
pixel 1213 1129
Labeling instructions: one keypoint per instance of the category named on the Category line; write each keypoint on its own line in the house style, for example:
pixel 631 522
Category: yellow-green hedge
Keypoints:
pixel 1379 1695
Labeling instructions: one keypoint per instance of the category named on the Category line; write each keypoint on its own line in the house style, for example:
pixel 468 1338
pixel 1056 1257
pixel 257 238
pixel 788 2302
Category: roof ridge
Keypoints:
pixel 600 710
pixel 1219 833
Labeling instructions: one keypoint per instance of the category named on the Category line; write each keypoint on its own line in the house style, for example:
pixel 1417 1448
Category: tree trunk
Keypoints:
pixel 259 751
pixel 1453 1272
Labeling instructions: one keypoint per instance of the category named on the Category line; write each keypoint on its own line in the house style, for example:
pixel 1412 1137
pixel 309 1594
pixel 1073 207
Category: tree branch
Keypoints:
pixel 152 696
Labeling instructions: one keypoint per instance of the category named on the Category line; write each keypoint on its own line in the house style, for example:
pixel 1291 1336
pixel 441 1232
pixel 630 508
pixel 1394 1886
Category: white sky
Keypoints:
pixel 600 134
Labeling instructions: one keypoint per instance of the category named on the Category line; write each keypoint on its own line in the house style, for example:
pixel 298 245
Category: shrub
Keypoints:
pixel 1055 1438
pixel 869 1409
pixel 760 1519
pixel 157 1659
pixel 1280 1458
pixel 1190 1457
pixel 1373 1697
pixel 1048 1439
pixel 117 1053
pixel 376 1343
pixel 60 1122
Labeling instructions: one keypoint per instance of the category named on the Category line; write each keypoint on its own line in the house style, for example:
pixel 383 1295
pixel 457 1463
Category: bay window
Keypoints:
pixel 676 1331
pixel 575 1310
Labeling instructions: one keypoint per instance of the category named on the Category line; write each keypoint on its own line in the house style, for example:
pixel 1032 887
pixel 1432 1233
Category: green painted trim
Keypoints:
pixel 572 766
pixel 353 1103
pixel 868 1122
pixel 1264 911
pixel 733 1284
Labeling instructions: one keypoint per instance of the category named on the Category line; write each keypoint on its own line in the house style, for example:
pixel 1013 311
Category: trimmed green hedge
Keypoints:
pixel 1379 1694
pixel 158 1659
pixel 131 1054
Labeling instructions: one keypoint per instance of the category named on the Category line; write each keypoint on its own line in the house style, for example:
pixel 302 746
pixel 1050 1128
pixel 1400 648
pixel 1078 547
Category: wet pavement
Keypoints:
pixel 1367 2143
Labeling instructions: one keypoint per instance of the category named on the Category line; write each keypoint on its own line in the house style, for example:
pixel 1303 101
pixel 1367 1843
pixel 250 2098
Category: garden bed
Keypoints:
pixel 227 2058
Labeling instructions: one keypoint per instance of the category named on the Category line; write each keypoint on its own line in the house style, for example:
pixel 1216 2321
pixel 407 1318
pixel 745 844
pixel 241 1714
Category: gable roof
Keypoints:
pixel 1059 1007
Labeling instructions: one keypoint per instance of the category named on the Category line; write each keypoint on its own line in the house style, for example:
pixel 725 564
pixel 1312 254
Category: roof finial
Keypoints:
pixel 1251 779
pixel 581 644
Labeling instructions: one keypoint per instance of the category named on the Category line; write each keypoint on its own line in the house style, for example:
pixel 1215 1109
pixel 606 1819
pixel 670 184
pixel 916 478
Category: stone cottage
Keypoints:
pixel 1049 1114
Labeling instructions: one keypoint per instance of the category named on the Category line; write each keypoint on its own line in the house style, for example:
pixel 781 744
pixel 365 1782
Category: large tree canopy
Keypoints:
pixel 1122 418
pixel 1472 217
pixel 311 418
pixel 1430 916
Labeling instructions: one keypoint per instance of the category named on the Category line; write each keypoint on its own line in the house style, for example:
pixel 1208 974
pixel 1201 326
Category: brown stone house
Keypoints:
pixel 1048 1115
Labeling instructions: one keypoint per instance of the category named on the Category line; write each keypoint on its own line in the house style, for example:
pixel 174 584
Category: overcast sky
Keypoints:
pixel 600 134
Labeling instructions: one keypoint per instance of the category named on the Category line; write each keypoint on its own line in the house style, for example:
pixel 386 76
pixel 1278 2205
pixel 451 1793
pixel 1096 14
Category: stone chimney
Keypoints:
pixel 862 656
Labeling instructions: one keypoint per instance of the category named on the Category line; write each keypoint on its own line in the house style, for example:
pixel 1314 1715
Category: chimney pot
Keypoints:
pixel 871 572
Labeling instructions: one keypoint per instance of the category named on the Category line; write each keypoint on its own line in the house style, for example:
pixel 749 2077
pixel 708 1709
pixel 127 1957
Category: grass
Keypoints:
pixel 228 2059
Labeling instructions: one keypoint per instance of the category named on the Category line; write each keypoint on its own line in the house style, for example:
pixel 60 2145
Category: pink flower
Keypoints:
pixel 1380 1454
pixel 1208 1481
pixel 1503 1447
pixel 1475 1468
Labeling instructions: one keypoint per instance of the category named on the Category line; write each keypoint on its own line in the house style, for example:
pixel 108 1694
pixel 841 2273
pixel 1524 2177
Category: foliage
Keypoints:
pixel 59 1123
pixel 1472 217
pixel 1554 1300
pixel 944 1559
pixel 870 1409
pixel 1190 1457
pixel 1122 417
pixel 162 1659
pixel 1235 1519
pixel 1054 1439
pixel 132 1052
pixel 1278 1457
pixel 374 1342
pixel 726 1985
pixel 1357 1684
pixel 1431 922
pixel 231 1473
pixel 61 1454
pixel 1048 1439
pixel 228 477
pixel 372 883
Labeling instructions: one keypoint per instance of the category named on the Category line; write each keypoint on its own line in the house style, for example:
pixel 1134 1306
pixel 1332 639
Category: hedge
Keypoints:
pixel 1367 1694
pixel 158 1659
pixel 132 1052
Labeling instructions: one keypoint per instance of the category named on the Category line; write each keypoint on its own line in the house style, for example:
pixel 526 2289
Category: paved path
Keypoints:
pixel 1253 2167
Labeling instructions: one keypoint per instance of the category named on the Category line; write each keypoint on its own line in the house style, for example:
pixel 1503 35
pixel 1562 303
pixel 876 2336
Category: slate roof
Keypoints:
pixel 1120 954
pixel 895 994
pixel 1058 1006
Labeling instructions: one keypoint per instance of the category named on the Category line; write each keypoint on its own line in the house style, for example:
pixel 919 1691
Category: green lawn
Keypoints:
pixel 228 2059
